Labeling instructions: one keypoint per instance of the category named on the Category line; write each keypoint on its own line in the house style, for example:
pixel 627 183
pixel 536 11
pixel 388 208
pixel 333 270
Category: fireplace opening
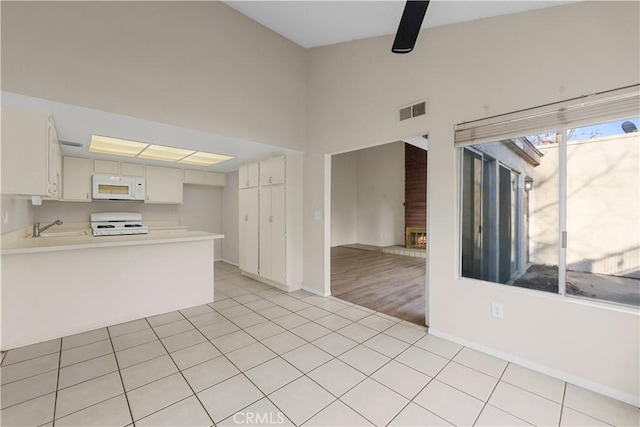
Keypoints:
pixel 416 237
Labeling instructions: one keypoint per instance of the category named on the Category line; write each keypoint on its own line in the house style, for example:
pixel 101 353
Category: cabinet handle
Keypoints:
pixel 270 219
pixel 87 196
pixel 270 180
pixel 246 217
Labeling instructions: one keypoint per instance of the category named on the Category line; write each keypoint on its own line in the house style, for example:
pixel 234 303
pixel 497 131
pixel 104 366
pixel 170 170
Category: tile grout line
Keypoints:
pixel 124 390
pixel 486 402
pixel 55 398
pixel 240 372
pixel 34 375
pixel 564 393
pixel 533 392
pixel 277 356
pixel 181 374
pixel 428 382
pixel 31 358
pixel 337 357
pixel 308 321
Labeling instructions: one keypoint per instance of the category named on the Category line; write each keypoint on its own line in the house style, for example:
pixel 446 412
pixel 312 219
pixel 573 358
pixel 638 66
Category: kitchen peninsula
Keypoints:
pixel 73 282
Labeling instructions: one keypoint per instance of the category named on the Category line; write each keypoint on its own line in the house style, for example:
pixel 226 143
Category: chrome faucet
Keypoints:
pixel 37 230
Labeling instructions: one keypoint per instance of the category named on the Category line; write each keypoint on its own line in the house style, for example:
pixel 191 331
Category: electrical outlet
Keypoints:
pixel 497 310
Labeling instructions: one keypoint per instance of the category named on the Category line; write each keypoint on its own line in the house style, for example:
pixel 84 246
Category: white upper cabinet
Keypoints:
pixel 272 171
pixel 249 175
pixel 132 169
pixel 107 167
pixel 31 156
pixel 204 178
pixel 164 185
pixel 76 173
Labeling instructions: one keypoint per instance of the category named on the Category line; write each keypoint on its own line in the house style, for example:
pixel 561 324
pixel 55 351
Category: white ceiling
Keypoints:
pixel 320 23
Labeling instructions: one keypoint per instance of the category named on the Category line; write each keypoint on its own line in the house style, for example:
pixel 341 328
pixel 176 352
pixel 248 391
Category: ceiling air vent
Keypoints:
pixel 415 110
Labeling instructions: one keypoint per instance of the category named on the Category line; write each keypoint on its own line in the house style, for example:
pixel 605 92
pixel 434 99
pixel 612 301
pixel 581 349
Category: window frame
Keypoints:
pixel 562 224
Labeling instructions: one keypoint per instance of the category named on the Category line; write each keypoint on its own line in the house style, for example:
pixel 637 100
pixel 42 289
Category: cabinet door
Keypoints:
pixel 249 175
pixel 272 171
pixel 278 234
pixel 265 232
pixel 77 179
pixel 55 161
pixel 164 185
pixel 243 180
pixel 193 177
pixel 26 149
pixel 253 174
pixel 215 179
pixel 106 167
pixel 248 227
pixel 132 169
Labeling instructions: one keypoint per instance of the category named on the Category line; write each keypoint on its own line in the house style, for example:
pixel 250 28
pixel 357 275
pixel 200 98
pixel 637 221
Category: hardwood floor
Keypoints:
pixel 391 284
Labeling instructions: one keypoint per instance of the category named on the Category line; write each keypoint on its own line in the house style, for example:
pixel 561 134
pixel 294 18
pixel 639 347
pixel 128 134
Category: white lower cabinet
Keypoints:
pixel 249 231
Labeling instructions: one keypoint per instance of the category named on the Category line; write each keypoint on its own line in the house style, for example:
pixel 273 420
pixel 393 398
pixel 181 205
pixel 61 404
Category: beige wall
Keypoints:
pixel 381 195
pixel 344 199
pixel 603 206
pixel 16 213
pixel 367 196
pixel 469 71
pixel 223 73
pixel 199 65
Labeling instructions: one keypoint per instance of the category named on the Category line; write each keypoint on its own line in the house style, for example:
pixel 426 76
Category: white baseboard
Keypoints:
pixel 315 291
pixel 228 262
pixel 579 381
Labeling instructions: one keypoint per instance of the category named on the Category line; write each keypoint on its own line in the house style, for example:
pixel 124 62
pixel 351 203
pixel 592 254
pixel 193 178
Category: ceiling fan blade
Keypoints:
pixel 409 27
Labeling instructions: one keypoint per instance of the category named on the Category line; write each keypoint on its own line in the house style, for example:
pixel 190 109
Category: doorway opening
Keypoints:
pixel 379 234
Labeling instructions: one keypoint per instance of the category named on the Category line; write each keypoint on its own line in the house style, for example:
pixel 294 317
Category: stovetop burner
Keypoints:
pixel 117 223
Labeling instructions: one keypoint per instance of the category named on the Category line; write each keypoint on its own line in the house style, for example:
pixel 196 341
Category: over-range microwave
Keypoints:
pixel 108 187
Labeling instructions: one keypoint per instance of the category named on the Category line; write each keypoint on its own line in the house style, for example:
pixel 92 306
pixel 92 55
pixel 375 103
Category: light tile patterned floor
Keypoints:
pixel 258 356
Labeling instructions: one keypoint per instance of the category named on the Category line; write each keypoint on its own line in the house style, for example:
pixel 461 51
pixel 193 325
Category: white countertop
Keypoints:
pixel 65 243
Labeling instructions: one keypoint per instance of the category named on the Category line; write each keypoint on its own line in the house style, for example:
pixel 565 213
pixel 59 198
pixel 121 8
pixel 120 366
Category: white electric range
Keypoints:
pixel 117 223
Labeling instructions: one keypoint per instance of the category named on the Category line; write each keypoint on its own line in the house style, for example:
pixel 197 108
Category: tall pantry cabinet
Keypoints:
pixel 270 208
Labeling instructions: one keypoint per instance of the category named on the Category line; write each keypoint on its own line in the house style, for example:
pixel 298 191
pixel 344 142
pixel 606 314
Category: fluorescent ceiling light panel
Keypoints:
pixel 167 154
pixel 115 146
pixel 204 159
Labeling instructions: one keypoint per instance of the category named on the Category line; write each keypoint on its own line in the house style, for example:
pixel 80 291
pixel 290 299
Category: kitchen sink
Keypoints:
pixel 70 233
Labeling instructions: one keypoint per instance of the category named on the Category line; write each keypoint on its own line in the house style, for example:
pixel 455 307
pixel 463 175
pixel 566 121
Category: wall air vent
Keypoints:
pixel 70 144
pixel 414 110
pixel 405 113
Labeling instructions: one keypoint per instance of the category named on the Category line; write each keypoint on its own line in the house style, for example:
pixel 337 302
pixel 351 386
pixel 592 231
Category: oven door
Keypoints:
pixel 112 188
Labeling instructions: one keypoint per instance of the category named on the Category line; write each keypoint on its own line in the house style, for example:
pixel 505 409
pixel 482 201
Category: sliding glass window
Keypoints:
pixel 558 211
